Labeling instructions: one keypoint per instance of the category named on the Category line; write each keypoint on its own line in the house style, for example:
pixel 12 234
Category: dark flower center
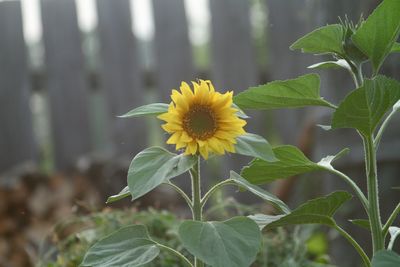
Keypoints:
pixel 200 122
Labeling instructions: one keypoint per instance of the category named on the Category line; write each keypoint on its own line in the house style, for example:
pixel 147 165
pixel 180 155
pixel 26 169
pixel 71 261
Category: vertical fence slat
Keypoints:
pixel 173 54
pixel 120 75
pixel 233 64
pixel 233 58
pixel 16 135
pixel 66 86
pixel 287 21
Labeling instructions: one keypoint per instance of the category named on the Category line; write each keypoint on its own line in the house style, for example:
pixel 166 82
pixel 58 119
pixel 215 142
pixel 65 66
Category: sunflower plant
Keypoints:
pixel 202 122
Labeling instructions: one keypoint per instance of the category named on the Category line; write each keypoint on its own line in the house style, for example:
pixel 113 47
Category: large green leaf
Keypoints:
pixel 232 243
pixel 291 161
pixel 300 92
pixel 154 166
pixel 254 146
pixel 364 108
pixel 316 211
pixel 129 246
pixel 324 40
pixel 123 194
pixel 386 258
pixel 375 36
pixel 258 191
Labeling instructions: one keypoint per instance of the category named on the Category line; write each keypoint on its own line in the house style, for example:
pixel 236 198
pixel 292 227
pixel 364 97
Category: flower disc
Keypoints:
pixel 202 120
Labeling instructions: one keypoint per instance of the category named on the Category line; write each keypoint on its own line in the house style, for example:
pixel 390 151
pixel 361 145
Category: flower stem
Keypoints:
pixel 373 198
pixel 353 185
pixel 182 193
pixel 385 124
pixel 364 256
pixel 197 209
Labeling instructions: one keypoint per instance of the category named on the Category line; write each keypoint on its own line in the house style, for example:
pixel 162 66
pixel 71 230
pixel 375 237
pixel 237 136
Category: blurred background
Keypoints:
pixel 69 68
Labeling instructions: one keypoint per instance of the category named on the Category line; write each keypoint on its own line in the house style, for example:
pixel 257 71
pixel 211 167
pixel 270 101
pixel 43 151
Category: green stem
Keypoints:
pixel 392 239
pixel 391 219
pixel 353 185
pixel 359 249
pixel 196 199
pixel 177 253
pixel 182 193
pixel 373 197
pixel 356 73
pixel 385 123
pixel 213 189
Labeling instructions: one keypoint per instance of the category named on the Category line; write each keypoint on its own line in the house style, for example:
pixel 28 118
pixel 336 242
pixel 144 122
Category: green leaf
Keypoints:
pixel 123 194
pixel 154 166
pixel 319 210
pixel 341 63
pixel 147 110
pixel 240 113
pixel 232 243
pixel 254 146
pixel 363 223
pixel 324 40
pixel 386 258
pixel 376 36
pixel 365 107
pixel 300 92
pixel 262 220
pixel 316 211
pixel 259 192
pixel 129 246
pixel 291 161
pixel 395 48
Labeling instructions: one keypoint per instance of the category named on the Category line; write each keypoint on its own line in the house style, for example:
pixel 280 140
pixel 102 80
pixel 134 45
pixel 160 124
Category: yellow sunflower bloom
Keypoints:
pixel 202 120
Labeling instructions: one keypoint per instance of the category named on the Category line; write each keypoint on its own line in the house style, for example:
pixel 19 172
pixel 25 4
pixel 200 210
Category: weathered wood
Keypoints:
pixel 233 56
pixel 233 64
pixel 66 85
pixel 173 53
pixel 120 75
pixel 287 21
pixel 16 135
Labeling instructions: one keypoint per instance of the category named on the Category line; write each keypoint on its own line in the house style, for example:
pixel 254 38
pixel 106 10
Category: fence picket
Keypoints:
pixel 120 75
pixel 173 53
pixel 66 86
pixel 16 135
pixel 233 56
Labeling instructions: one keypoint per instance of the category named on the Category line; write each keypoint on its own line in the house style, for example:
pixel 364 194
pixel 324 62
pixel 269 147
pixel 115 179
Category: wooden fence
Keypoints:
pixel 233 65
pixel 120 72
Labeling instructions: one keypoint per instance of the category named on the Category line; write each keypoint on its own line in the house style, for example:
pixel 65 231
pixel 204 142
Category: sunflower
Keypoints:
pixel 202 120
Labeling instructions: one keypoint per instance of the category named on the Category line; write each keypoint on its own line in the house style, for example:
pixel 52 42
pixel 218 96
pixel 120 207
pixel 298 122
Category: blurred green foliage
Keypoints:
pixel 295 247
